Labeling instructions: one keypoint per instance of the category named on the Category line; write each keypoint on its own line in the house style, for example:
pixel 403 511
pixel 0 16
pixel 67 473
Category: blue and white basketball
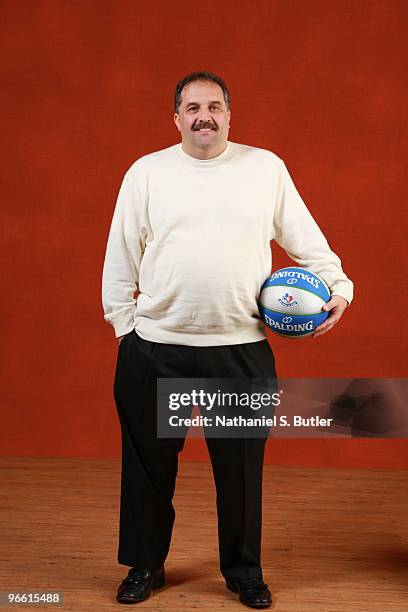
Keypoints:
pixel 291 302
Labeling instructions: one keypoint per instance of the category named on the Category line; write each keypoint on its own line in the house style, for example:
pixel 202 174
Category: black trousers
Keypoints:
pixel 149 463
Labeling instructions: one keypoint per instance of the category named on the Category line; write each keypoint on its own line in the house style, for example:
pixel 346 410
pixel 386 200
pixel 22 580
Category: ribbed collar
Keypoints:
pixel 204 163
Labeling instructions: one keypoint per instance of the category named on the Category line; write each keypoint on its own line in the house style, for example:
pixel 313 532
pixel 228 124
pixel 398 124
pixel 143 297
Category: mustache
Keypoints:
pixel 205 124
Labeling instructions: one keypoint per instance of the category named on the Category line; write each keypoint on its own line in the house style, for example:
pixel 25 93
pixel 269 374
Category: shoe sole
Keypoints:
pixel 235 589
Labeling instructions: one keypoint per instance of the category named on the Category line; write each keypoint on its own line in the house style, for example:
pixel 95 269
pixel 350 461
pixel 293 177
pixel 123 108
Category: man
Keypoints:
pixel 191 232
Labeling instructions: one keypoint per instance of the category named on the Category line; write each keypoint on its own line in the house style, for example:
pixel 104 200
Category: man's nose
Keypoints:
pixel 205 115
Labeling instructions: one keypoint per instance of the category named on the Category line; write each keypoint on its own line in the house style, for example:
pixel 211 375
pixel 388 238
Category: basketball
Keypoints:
pixel 291 302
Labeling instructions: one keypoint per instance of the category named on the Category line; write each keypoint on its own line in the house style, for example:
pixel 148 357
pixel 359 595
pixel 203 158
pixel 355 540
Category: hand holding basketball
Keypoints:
pixel 336 307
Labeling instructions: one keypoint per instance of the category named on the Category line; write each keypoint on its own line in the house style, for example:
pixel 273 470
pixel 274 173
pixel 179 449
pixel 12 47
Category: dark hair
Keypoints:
pixel 200 76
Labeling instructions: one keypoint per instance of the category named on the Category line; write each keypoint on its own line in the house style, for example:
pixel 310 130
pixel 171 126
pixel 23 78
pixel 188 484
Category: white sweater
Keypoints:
pixel 193 237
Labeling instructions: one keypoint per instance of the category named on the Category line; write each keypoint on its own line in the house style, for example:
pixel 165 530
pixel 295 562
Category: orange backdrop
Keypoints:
pixel 88 88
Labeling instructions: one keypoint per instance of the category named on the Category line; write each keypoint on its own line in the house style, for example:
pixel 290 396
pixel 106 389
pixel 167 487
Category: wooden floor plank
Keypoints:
pixel 333 539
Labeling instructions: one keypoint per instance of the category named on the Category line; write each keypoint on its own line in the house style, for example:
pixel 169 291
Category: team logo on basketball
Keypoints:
pixel 287 300
pixel 286 319
pixel 291 281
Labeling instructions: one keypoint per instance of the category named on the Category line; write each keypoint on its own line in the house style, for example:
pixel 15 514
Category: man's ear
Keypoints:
pixel 177 121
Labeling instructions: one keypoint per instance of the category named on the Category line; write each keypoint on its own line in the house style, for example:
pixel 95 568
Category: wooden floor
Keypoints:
pixel 333 540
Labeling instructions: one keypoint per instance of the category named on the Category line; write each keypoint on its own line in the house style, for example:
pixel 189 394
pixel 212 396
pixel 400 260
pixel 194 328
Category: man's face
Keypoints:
pixel 203 119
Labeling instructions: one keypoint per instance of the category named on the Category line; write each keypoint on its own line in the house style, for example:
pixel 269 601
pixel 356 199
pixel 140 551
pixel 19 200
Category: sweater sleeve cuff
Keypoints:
pixel 123 323
pixel 344 289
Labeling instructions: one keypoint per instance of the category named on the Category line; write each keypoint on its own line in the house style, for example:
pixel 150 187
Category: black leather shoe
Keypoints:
pixel 253 592
pixel 138 584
